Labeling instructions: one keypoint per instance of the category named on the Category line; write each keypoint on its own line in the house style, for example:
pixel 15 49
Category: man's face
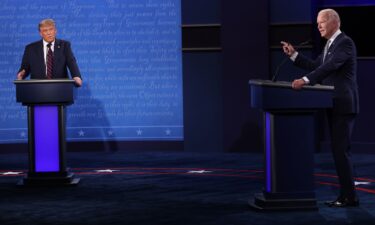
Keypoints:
pixel 326 27
pixel 48 32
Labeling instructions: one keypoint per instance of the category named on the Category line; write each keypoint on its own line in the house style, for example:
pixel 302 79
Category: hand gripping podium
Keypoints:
pixel 289 142
pixel 46 101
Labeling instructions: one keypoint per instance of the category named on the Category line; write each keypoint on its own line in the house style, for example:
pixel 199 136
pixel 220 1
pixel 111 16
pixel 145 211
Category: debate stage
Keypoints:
pixel 169 187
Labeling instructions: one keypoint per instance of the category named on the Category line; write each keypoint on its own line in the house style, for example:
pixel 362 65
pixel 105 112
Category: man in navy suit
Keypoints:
pixel 35 59
pixel 336 66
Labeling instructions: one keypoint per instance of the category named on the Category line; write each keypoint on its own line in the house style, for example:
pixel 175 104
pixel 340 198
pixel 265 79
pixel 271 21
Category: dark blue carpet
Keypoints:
pixel 171 188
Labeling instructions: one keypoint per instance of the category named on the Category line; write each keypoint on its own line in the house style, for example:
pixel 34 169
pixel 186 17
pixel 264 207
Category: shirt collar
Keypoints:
pixel 46 43
pixel 334 36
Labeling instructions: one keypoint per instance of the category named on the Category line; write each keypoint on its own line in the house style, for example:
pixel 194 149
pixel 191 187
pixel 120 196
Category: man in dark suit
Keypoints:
pixel 336 66
pixel 49 58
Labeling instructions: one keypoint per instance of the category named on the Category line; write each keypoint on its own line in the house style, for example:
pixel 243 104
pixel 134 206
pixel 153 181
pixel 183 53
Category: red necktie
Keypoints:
pixel 49 61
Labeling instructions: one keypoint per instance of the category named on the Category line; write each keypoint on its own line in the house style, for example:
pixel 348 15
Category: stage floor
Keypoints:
pixel 172 188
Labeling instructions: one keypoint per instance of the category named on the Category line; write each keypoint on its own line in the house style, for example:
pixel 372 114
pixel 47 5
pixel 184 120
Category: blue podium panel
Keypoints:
pixel 46 138
pixel 289 142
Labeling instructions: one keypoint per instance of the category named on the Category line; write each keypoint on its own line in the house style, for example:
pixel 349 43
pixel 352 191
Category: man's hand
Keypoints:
pixel 298 84
pixel 21 75
pixel 78 81
pixel 288 48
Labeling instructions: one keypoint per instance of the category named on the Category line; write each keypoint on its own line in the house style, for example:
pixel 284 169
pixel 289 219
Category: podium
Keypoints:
pixel 46 101
pixel 289 142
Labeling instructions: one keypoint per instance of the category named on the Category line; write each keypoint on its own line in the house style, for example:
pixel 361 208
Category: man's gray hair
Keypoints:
pixel 332 15
pixel 46 22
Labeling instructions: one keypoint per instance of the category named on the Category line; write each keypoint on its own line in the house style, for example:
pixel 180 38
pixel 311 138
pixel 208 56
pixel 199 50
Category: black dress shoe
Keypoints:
pixel 343 202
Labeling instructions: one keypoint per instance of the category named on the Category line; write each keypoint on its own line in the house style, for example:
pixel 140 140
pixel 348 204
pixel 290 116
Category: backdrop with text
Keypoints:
pixel 129 54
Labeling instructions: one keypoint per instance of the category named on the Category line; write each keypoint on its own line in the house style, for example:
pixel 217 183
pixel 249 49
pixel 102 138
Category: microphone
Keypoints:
pixel 286 59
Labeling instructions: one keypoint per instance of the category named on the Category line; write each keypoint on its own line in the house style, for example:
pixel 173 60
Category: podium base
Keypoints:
pixel 260 203
pixel 67 180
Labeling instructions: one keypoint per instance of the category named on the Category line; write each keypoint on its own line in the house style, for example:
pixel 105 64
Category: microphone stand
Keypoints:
pixel 277 69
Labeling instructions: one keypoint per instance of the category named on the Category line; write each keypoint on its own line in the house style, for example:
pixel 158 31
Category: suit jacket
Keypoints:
pixel 339 69
pixel 33 60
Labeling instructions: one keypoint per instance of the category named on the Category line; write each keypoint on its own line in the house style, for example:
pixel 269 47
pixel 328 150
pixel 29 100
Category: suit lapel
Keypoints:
pixel 333 45
pixel 40 56
pixel 57 51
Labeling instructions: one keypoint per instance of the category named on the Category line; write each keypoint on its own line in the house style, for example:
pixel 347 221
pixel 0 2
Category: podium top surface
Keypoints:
pixel 269 95
pixel 39 81
pixel 37 92
pixel 286 84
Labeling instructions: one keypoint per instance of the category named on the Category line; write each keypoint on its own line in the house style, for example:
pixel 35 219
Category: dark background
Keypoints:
pixel 216 88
